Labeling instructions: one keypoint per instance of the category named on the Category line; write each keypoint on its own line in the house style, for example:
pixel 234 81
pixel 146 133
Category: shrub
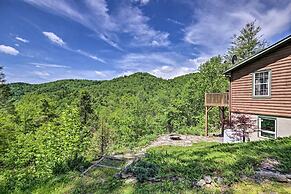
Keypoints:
pixel 144 170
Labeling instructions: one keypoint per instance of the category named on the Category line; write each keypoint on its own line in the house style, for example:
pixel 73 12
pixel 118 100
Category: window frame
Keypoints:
pixel 269 132
pixel 269 83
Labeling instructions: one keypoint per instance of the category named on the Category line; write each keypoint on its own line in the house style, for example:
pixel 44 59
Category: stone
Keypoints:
pixel 125 175
pixel 201 183
pixel 153 179
pixel 131 180
pixel 175 178
pixel 288 176
pixel 208 179
pixel 272 175
pixel 244 177
pixel 219 180
pixel 117 175
pixel 269 164
pixel 208 185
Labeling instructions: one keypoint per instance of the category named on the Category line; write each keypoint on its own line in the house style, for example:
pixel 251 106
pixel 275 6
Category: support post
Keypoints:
pixel 222 119
pixel 206 120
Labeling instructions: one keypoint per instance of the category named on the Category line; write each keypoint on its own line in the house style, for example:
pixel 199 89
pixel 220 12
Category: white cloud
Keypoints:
pixel 59 41
pixel 90 56
pixel 96 16
pixel 214 28
pixel 141 2
pixel 110 42
pixel 16 44
pixel 41 74
pixel 133 21
pixel 21 39
pixel 175 22
pixel 161 64
pixel 8 50
pixel 147 61
pixel 196 62
pixel 54 38
pixel 168 72
pixel 105 74
pixel 40 65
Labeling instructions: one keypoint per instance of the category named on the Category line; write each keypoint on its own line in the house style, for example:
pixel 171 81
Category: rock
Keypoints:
pixel 131 181
pixel 208 179
pixel 125 175
pixel 152 179
pixel 117 175
pixel 219 180
pixel 244 177
pixel 272 175
pixel 269 164
pixel 288 176
pixel 175 178
pixel 201 183
pixel 208 185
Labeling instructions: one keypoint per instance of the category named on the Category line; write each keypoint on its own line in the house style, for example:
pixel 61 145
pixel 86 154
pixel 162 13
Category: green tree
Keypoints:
pixel 4 90
pixel 85 106
pixel 247 43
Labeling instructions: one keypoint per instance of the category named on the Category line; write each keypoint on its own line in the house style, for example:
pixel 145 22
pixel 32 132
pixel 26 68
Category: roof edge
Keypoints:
pixel 259 54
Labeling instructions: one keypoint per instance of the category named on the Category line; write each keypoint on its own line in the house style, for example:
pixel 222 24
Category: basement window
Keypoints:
pixel 267 127
pixel 261 84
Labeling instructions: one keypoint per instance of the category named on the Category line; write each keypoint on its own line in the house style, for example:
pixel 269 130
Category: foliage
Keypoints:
pixel 5 93
pixel 242 126
pixel 143 170
pixel 247 43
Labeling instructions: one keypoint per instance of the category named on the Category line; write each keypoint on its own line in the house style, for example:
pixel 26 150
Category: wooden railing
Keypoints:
pixel 216 99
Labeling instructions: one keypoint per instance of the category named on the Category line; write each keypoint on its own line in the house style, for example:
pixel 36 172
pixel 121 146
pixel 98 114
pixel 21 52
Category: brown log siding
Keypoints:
pixel 279 103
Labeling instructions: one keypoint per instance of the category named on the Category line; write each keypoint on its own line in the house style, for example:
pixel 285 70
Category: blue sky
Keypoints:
pixel 47 40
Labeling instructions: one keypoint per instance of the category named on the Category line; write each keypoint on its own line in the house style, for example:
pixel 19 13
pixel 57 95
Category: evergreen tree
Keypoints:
pixel 4 90
pixel 247 43
pixel 85 107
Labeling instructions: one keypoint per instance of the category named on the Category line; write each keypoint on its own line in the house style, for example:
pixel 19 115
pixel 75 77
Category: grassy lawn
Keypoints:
pixel 186 164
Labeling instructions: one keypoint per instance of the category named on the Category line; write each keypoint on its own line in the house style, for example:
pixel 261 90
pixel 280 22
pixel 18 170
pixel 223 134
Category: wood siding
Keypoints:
pixel 279 103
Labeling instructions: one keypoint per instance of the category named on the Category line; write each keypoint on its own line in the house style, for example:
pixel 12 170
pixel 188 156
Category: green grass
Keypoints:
pixel 229 161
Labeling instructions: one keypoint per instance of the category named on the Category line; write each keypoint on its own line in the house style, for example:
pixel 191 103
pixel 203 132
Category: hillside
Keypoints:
pixel 171 169
pixel 60 127
pixel 137 81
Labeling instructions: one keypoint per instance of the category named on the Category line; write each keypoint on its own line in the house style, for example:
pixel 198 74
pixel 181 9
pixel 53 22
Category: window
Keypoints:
pixel 261 83
pixel 267 127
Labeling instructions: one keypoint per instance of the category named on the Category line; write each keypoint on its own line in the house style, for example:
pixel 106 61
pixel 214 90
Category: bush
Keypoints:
pixel 144 170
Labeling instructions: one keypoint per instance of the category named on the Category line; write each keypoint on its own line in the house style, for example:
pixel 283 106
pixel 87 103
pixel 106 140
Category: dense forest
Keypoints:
pixel 52 128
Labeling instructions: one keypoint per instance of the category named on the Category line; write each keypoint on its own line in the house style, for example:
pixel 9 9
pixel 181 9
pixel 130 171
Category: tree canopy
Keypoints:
pixel 247 43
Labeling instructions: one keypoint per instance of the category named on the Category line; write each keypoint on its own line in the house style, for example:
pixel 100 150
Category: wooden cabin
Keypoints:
pixel 261 88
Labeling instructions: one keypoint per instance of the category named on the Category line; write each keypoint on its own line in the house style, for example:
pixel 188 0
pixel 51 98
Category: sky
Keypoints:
pixel 48 40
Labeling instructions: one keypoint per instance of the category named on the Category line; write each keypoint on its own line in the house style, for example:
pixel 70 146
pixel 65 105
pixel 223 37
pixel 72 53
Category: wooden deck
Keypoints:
pixel 217 99
pixel 220 100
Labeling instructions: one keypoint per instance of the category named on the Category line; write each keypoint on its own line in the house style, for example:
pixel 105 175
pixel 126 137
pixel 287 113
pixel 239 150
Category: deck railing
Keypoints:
pixel 216 99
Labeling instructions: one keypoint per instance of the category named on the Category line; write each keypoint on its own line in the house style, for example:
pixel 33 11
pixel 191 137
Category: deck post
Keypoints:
pixel 206 120
pixel 220 100
pixel 222 119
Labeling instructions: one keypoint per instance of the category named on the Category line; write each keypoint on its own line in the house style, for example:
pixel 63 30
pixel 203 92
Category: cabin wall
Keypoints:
pixel 279 103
